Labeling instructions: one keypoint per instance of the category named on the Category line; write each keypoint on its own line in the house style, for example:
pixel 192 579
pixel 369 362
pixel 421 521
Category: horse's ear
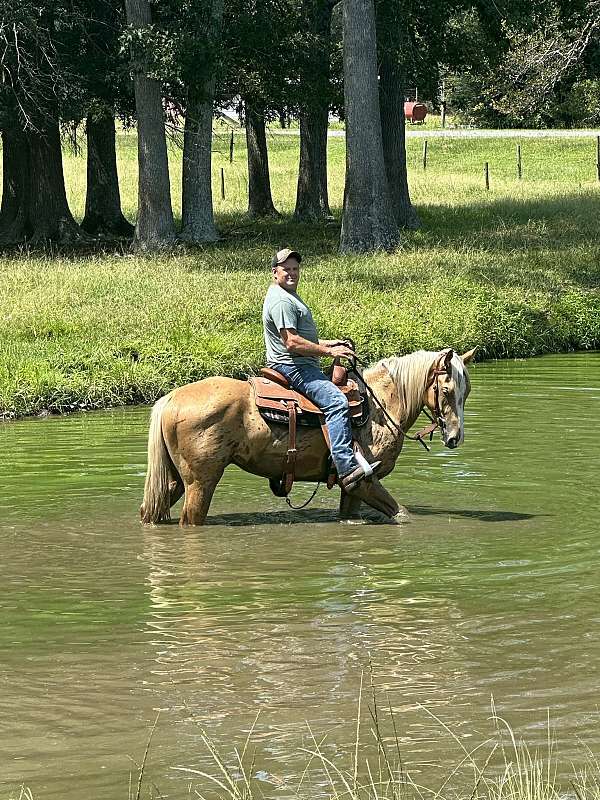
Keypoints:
pixel 467 357
pixel 445 359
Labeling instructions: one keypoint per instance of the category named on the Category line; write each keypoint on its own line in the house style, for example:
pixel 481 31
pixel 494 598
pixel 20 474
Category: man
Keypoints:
pixel 294 348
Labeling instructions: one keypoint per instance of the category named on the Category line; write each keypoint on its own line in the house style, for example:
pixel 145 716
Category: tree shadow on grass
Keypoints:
pixel 504 227
pixel 556 222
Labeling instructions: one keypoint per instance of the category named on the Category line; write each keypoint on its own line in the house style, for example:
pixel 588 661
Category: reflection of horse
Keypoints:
pixel 198 429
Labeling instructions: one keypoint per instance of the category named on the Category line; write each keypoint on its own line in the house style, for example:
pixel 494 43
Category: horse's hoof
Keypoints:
pixel 354 521
pixel 401 517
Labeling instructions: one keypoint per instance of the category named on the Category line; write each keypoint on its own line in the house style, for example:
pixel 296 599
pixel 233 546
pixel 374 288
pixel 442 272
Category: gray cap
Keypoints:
pixel 283 255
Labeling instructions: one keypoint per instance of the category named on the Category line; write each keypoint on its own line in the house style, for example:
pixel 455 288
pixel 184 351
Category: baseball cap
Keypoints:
pixel 283 255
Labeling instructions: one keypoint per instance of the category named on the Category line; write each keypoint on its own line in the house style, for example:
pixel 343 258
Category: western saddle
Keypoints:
pixel 278 402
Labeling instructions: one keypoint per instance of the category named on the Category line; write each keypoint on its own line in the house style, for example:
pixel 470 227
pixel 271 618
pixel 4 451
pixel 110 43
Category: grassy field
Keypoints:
pixel 515 269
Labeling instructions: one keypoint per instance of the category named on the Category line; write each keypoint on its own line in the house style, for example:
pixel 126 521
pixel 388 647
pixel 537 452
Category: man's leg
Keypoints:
pixel 311 382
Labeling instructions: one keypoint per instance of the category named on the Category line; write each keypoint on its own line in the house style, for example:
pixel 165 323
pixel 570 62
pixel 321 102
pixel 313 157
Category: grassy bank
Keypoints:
pixel 515 270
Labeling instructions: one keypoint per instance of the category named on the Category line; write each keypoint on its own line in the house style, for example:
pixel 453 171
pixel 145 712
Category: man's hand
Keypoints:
pixel 340 350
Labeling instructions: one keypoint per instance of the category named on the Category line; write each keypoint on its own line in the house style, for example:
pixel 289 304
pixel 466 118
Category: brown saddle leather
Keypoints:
pixel 273 396
pixel 272 392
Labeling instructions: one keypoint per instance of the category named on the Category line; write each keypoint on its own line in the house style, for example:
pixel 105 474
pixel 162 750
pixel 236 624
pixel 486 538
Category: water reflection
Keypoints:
pixel 489 590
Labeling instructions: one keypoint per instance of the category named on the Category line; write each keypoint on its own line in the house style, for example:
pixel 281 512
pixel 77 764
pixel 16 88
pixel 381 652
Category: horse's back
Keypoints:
pixel 216 396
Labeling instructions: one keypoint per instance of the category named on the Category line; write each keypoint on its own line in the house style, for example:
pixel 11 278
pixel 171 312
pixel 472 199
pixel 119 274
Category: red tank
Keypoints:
pixel 415 111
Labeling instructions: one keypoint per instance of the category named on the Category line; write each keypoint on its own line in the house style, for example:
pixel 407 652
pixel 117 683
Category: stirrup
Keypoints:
pixel 351 480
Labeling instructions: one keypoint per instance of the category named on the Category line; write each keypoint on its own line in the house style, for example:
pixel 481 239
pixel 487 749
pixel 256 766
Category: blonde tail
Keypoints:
pixel 156 504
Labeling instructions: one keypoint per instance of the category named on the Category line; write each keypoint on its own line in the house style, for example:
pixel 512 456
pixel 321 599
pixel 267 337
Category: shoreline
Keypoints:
pixel 45 413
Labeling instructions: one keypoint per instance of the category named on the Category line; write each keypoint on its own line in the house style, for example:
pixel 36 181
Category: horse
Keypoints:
pixel 197 430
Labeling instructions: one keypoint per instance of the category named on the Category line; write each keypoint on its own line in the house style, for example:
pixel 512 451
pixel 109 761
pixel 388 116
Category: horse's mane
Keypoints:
pixel 409 373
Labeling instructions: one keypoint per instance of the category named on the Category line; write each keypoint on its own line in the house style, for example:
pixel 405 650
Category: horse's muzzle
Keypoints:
pixel 452 442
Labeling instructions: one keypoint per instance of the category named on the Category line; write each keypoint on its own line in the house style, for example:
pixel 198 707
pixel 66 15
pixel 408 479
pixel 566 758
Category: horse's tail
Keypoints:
pixel 156 506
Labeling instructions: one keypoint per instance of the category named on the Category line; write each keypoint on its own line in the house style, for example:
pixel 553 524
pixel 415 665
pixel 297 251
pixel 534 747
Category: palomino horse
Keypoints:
pixel 199 429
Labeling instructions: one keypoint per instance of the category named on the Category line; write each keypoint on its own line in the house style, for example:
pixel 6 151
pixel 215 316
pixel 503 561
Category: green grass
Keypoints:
pixel 514 270
pixel 500 767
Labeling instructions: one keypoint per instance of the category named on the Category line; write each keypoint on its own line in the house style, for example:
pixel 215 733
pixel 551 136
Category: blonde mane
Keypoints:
pixel 409 374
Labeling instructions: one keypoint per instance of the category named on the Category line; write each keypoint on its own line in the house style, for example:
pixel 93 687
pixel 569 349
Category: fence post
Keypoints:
pixel 222 184
pixel 443 113
pixel 231 147
pixel 425 154
pixel 487 175
pixel 519 164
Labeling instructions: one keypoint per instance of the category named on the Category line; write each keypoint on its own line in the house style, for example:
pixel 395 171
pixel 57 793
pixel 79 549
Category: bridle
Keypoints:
pixel 436 421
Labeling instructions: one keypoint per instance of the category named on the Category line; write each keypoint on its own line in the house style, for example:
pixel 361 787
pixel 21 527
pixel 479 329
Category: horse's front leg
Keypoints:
pixel 373 494
pixel 350 507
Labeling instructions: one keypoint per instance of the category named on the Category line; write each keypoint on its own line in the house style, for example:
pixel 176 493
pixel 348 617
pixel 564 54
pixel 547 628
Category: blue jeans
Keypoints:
pixel 311 382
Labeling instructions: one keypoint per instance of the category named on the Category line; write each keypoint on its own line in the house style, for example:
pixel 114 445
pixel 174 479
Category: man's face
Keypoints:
pixel 287 274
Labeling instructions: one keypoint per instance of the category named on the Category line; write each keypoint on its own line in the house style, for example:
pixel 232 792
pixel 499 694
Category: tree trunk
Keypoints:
pixel 368 221
pixel 155 228
pixel 391 105
pixel 14 215
pixel 34 204
pixel 198 224
pixel 312 199
pixel 260 202
pixel 50 217
pixel 103 200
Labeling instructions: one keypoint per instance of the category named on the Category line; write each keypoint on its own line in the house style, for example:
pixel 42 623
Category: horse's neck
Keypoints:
pixel 390 395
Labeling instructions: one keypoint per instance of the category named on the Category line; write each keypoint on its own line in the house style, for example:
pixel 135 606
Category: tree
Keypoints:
pixel 526 67
pixel 542 65
pixel 368 221
pixel 392 44
pixel 312 199
pixel 258 46
pixel 155 228
pixel 103 198
pixel 36 81
pixel 198 44
pixel 260 200
pixel 102 73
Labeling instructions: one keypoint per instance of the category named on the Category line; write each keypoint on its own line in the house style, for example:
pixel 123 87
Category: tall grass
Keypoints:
pixel 514 269
pixel 501 767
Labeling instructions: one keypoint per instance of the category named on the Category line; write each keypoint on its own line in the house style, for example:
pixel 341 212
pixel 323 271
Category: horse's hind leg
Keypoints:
pixel 198 495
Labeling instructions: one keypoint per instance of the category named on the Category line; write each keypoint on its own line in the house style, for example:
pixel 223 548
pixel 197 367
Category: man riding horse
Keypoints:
pixel 294 348
pixel 200 429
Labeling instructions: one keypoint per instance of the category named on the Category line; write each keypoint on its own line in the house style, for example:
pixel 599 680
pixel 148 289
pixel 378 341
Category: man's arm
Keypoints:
pixel 299 346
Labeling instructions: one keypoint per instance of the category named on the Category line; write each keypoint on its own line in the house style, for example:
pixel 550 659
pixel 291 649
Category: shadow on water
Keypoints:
pixel 318 515
pixel 469 513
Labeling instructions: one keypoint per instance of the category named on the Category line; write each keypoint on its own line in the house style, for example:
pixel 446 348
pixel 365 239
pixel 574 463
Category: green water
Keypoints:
pixel 492 589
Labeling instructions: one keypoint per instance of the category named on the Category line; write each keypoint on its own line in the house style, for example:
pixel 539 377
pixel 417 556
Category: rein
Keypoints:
pixel 428 430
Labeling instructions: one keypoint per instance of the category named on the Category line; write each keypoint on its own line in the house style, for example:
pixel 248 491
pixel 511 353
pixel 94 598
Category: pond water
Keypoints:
pixel 490 591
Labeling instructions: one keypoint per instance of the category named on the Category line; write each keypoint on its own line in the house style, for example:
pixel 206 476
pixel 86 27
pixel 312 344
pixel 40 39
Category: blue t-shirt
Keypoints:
pixel 283 309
